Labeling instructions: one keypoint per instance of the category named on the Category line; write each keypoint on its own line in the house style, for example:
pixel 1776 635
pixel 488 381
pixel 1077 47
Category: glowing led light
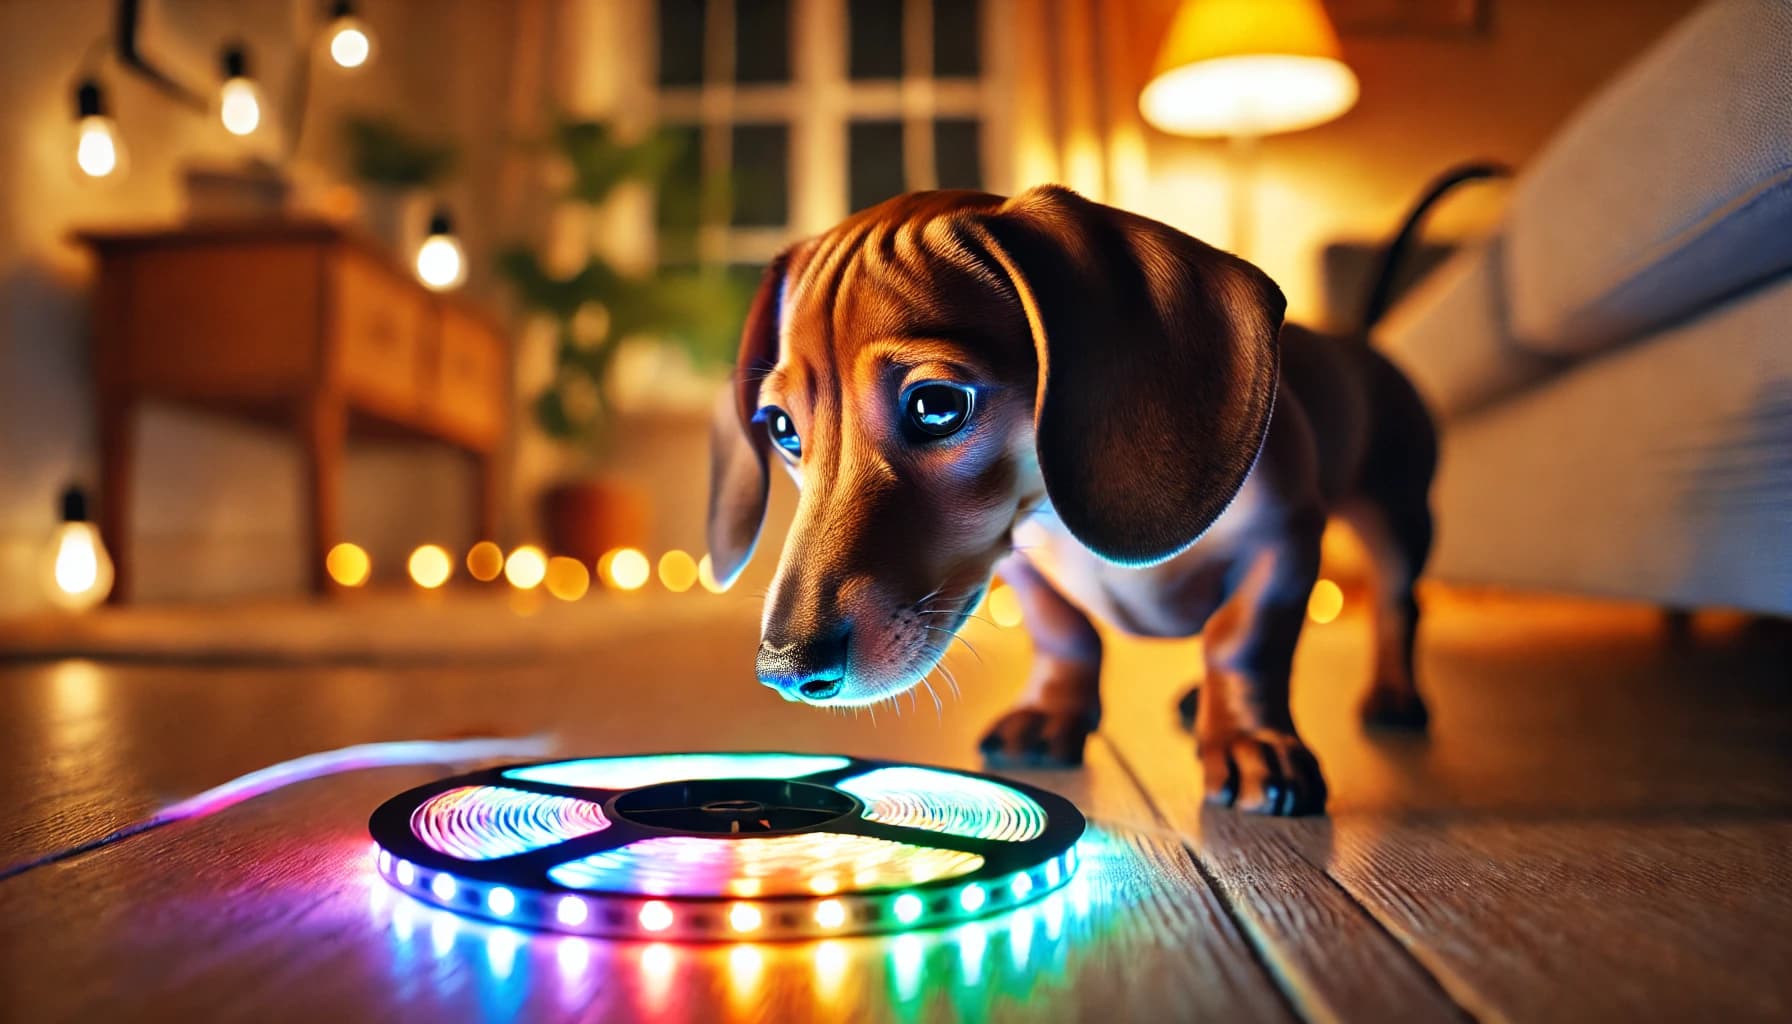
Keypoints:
pixel 500 901
pixel 1004 606
pixel 1021 886
pixel 385 862
pixel 567 578
pixel 702 866
pixel 526 567
pixel 907 908
pixel 678 571
pixel 407 874
pixel 744 917
pixel 821 885
pixel 830 913
pixel 706 575
pixel 239 106
pixel 441 263
pixel 1051 875
pixel 443 886
pixel 972 898
pixel 571 911
pixel 350 47
pixel 649 769
pixel 626 569
pixel 487 822
pixel 98 149
pixel 947 802
pixel 80 571
pixel 348 564
pixel 485 561
pixel 430 566
pixel 1070 861
pixel 656 916
pixel 1325 603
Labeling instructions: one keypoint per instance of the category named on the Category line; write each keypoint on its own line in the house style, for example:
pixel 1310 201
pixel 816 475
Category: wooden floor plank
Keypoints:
pixel 269 911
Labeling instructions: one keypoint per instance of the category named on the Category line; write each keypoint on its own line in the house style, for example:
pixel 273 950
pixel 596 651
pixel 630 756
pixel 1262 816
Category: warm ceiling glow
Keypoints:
pixel 239 106
pixel 430 566
pixel 706 575
pixel 440 262
pixel 678 571
pixel 567 578
pixel 485 561
pixel 1248 67
pixel 626 568
pixel 526 567
pixel 1004 605
pixel 1326 602
pixel 97 150
pixel 348 564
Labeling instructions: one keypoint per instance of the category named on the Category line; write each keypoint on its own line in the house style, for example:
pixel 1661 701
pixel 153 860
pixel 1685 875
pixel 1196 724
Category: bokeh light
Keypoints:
pixel 526 567
pixel 706 575
pixel 1326 602
pixel 348 564
pixel 625 569
pixel 567 578
pixel 1004 605
pixel 430 566
pixel 485 561
pixel 678 571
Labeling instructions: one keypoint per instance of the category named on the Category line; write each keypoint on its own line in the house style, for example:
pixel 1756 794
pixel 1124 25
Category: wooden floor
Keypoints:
pixel 1599 826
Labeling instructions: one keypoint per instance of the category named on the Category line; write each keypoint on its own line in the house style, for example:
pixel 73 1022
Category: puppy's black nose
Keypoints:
pixel 812 669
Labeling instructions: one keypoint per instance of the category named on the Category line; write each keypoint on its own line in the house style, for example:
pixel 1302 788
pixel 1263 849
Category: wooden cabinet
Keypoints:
pixel 299 324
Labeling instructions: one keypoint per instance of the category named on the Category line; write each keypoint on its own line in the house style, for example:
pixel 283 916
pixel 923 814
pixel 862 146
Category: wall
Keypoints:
pixel 217 504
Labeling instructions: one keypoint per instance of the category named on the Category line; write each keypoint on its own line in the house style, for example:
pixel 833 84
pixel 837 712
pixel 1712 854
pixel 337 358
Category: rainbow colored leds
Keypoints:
pixel 763 866
pixel 726 846
pixel 939 801
pixel 487 822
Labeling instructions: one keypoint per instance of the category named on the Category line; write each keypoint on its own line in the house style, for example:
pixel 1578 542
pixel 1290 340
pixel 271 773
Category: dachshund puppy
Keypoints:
pixel 1102 409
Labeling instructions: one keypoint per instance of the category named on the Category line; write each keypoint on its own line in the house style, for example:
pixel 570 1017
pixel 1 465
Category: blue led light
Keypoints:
pixel 443 886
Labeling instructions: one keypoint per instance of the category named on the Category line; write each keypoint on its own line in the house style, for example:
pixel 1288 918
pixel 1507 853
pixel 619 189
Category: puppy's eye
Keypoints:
pixel 782 431
pixel 934 409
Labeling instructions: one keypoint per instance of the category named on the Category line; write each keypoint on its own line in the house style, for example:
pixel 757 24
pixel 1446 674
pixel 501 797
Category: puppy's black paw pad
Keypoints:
pixel 1387 708
pixel 1031 738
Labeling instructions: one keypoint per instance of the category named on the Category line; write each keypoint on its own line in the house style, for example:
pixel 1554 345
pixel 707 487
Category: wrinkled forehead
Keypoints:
pixel 894 289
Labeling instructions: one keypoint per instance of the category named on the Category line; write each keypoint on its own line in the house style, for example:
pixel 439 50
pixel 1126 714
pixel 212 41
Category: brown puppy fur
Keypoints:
pixel 1120 459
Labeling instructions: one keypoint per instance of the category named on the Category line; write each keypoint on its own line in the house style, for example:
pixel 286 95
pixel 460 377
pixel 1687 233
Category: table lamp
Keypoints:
pixel 1244 69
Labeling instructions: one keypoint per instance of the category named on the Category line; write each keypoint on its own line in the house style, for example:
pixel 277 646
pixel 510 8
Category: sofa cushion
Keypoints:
pixel 1449 336
pixel 1668 191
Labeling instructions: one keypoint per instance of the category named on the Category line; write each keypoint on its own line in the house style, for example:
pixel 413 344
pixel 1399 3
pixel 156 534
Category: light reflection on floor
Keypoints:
pixel 1012 952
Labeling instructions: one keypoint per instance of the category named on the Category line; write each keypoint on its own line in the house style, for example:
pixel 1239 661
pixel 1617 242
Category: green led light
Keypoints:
pixel 1021 886
pixel 907 908
pixel 971 898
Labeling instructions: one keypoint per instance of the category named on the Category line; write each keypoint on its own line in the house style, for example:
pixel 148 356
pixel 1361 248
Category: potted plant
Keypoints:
pixel 598 307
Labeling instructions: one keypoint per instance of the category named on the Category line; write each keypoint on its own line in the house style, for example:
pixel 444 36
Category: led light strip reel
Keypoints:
pixel 726 846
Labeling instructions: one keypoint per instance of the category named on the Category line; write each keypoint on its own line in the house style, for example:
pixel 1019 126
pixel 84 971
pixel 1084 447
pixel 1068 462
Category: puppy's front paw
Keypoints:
pixel 1262 771
pixel 1030 738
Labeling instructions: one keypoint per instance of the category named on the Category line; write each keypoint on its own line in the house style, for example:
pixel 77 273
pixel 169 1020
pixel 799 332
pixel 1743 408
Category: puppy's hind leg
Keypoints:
pixel 1062 702
pixel 1397 536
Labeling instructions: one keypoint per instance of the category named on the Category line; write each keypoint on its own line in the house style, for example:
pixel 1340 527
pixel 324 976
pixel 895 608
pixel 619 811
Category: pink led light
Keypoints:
pixel 487 822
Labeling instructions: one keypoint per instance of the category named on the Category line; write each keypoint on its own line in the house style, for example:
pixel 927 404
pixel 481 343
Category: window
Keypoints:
pixel 791 114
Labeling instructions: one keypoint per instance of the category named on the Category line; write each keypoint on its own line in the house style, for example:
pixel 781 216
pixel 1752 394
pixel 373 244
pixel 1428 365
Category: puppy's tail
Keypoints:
pixel 1381 294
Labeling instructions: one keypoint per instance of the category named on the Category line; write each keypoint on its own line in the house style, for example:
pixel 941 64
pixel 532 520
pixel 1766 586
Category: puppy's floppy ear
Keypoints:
pixel 738 481
pixel 1157 369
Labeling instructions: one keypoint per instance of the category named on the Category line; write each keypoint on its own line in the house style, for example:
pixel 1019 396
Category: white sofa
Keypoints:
pixel 1613 369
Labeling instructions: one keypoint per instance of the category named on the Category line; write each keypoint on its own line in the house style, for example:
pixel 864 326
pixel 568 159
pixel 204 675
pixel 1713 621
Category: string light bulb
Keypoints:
pixel 351 43
pixel 441 263
pixel 77 568
pixel 239 101
pixel 99 152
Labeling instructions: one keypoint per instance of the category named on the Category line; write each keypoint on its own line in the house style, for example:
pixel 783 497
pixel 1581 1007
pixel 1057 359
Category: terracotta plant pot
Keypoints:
pixel 585 518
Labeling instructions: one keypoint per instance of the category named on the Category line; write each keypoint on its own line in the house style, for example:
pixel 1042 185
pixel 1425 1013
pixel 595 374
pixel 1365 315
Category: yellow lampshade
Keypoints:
pixel 1248 67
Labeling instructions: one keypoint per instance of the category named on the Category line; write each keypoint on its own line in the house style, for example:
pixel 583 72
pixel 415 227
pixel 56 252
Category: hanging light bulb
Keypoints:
pixel 77 569
pixel 441 263
pixel 239 102
pixel 99 152
pixel 351 42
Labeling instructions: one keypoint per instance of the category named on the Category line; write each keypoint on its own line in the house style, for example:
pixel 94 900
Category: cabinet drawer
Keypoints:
pixel 380 325
pixel 467 391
